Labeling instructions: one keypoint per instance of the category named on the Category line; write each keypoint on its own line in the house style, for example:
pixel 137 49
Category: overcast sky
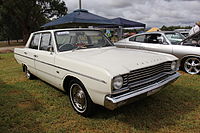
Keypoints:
pixel 151 12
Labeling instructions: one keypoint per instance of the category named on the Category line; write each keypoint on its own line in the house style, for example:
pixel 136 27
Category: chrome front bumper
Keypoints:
pixel 129 97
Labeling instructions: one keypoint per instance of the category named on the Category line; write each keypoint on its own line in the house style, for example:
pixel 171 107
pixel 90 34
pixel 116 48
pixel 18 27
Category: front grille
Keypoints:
pixel 140 78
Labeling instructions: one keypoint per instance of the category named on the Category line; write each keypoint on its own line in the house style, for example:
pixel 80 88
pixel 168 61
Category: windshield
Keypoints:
pixel 80 39
pixel 175 37
pixel 193 40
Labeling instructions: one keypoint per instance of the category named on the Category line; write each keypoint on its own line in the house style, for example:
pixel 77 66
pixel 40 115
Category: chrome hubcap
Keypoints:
pixel 192 65
pixel 78 98
pixel 28 74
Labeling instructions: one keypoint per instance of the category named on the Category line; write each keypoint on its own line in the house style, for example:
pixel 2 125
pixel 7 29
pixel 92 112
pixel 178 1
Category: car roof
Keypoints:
pixel 161 32
pixel 72 29
pixel 155 32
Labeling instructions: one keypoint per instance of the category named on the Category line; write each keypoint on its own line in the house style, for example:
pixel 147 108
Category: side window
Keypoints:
pixel 154 38
pixel 45 41
pixel 132 39
pixel 140 38
pixel 35 41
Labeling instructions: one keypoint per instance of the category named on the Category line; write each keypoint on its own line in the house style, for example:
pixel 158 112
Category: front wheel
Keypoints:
pixel 79 98
pixel 192 65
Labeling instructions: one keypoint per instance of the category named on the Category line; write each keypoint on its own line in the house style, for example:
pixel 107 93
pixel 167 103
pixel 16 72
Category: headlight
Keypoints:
pixel 174 66
pixel 117 82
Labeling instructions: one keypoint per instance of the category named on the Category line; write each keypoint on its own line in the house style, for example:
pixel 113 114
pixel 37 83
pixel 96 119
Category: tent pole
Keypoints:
pixel 120 32
pixel 80 4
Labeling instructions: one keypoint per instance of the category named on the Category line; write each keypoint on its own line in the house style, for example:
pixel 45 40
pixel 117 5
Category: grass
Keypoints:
pixel 34 106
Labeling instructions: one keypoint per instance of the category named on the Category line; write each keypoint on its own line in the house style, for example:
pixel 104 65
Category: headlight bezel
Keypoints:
pixel 174 65
pixel 116 85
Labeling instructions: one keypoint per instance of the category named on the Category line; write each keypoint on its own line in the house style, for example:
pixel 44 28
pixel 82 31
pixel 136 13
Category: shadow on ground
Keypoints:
pixel 155 112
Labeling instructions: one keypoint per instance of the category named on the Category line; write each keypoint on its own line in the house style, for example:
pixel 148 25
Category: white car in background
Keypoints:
pixel 186 49
pixel 85 64
pixel 184 32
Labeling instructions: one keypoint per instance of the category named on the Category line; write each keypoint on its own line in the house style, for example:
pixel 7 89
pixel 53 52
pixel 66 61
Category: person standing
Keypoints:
pixel 195 29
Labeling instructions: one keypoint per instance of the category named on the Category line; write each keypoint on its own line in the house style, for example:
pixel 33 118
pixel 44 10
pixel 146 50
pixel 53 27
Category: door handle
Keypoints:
pixel 35 56
pixel 25 52
pixel 142 47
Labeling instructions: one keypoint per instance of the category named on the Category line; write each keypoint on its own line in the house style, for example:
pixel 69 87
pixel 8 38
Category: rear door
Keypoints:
pixel 31 53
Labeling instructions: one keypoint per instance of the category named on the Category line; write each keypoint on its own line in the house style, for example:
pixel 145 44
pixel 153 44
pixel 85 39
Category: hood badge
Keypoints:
pixel 146 62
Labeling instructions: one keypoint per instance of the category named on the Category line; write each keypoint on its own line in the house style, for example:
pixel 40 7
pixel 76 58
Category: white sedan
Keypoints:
pixel 86 65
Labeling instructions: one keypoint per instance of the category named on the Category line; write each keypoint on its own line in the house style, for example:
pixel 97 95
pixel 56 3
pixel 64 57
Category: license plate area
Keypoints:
pixel 153 91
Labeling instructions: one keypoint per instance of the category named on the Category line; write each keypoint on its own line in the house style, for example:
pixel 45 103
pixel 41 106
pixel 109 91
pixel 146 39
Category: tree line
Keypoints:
pixel 18 18
pixel 172 28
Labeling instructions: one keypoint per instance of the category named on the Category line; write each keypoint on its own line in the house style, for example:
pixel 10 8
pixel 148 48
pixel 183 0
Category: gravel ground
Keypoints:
pixel 9 49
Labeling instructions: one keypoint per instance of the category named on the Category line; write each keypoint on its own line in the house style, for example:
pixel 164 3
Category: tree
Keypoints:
pixel 9 28
pixel 172 28
pixel 29 15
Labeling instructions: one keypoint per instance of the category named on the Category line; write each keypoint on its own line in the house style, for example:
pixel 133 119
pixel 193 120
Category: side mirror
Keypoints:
pixel 50 49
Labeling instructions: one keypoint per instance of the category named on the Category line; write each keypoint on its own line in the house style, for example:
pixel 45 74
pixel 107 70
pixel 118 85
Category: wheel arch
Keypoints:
pixel 186 57
pixel 66 82
pixel 24 66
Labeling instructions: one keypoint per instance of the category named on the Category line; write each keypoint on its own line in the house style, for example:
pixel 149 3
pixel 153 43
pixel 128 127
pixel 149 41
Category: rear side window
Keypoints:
pixel 35 41
pixel 154 38
pixel 45 41
pixel 140 38
pixel 132 39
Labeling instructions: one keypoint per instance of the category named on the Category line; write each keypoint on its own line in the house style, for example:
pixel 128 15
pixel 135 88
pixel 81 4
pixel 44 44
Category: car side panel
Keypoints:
pixel 44 65
pixel 134 45
pixel 157 47
pixel 184 51
pixel 96 88
pixel 26 57
pixel 30 60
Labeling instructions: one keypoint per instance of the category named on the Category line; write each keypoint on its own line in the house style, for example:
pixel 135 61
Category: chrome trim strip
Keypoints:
pixel 99 80
pixel 24 56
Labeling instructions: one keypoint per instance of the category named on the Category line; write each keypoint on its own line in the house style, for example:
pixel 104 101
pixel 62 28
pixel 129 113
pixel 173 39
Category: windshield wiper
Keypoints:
pixel 78 47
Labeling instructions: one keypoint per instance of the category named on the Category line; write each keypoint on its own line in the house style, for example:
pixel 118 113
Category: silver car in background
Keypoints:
pixel 184 32
pixel 186 49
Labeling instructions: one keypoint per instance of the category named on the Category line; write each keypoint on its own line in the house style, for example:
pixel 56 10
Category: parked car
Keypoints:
pixel 192 40
pixel 187 50
pixel 184 32
pixel 86 65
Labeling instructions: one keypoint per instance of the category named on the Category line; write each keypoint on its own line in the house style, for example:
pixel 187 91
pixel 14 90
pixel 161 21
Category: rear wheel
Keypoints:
pixel 79 98
pixel 27 73
pixel 192 65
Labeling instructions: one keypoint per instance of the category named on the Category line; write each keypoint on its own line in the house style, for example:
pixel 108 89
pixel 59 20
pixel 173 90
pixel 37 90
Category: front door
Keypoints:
pixel 45 59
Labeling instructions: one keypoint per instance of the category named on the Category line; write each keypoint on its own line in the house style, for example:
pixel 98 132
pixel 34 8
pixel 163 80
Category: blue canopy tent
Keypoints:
pixel 121 23
pixel 127 23
pixel 79 18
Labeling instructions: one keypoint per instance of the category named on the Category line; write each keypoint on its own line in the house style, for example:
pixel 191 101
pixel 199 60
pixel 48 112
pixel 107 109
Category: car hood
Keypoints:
pixel 118 60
